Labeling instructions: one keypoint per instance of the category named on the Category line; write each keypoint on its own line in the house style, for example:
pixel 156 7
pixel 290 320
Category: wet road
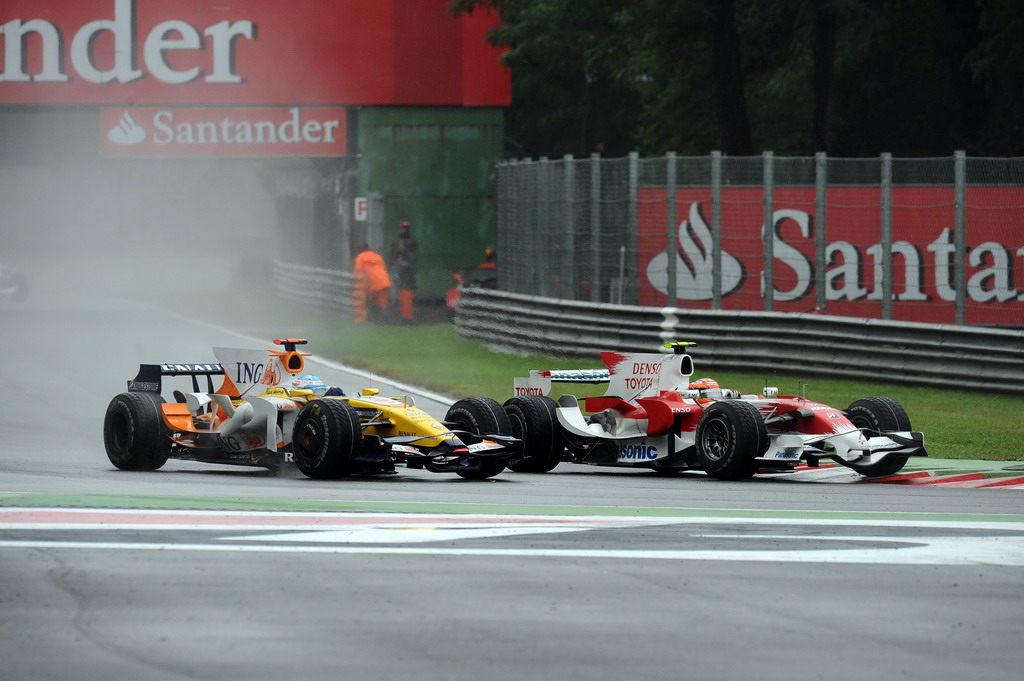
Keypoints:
pixel 214 572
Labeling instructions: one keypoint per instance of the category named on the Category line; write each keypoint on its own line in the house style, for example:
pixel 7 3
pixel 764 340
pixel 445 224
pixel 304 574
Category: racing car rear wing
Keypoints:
pixel 150 376
pixel 576 375
pixel 250 368
pixel 539 381
pixel 629 376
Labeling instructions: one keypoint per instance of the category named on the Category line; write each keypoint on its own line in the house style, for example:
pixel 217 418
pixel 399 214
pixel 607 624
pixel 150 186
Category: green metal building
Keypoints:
pixel 435 167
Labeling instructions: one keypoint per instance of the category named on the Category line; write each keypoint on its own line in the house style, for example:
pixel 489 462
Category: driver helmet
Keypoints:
pixel 708 387
pixel 310 382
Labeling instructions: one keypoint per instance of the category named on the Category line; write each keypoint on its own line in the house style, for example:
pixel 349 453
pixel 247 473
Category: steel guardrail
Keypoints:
pixel 938 355
pixel 913 353
pixel 316 287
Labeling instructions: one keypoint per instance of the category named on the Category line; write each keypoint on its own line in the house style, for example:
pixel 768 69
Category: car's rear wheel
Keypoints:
pixel 730 435
pixel 534 421
pixel 133 432
pixel 480 416
pixel 326 437
pixel 879 414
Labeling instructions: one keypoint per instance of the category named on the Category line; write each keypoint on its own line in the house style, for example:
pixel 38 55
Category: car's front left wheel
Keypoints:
pixel 730 436
pixel 326 436
pixel 534 421
pixel 480 416
pixel 879 414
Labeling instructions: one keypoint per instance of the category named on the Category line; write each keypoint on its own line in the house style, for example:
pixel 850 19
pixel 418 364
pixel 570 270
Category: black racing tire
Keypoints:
pixel 880 414
pixel 533 420
pixel 134 434
pixel 326 437
pixel 730 435
pixel 487 468
pixel 481 416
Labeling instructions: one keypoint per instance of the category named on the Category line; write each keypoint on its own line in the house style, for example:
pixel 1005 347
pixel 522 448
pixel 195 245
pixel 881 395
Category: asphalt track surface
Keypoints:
pixel 214 572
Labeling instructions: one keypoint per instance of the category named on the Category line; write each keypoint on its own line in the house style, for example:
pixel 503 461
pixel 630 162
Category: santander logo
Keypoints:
pixel 238 131
pixel 694 262
pixel 127 132
pixel 186 127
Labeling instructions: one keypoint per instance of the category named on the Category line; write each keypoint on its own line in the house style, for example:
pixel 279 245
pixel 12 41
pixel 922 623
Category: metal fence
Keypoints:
pixel 937 240
pixel 774 343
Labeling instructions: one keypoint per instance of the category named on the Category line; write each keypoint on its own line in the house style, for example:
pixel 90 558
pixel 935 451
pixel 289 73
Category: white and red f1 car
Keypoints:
pixel 653 416
pixel 257 418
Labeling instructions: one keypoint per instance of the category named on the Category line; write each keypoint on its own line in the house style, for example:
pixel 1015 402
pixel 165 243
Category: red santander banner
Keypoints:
pixel 248 53
pixel 923 251
pixel 178 131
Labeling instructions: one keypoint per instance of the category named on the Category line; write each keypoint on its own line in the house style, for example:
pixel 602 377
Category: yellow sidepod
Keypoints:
pixel 398 416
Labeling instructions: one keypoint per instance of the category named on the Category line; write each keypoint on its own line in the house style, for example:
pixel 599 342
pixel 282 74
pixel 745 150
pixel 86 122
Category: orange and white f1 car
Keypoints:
pixel 654 416
pixel 257 418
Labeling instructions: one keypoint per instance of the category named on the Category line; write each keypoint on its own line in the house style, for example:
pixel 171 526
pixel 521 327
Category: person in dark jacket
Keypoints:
pixel 404 254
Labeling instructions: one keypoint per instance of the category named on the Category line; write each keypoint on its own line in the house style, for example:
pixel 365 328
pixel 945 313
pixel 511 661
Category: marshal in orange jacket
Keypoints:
pixel 371 266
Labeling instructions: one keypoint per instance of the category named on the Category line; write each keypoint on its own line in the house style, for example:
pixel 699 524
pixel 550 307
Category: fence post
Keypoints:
pixel 523 273
pixel 631 227
pixel 530 170
pixel 595 227
pixel 768 281
pixel 540 247
pixel 511 259
pixel 569 267
pixel 960 236
pixel 885 252
pixel 502 209
pixel 821 223
pixel 670 241
pixel 716 230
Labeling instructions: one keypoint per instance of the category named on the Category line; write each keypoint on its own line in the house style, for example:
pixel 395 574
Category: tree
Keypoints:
pixel 996 63
pixel 824 62
pixel 850 77
pixel 729 81
pixel 565 98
